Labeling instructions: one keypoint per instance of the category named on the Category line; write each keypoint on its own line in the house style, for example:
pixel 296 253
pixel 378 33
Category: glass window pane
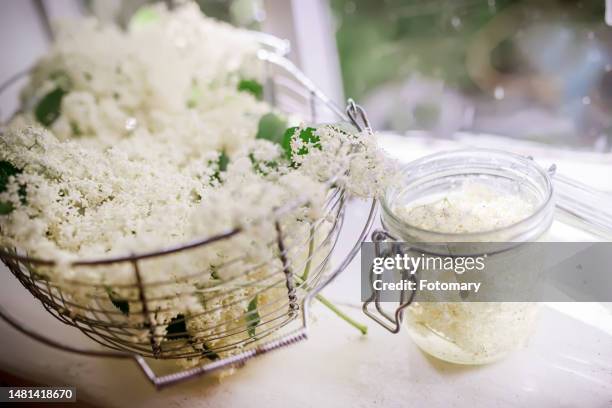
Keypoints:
pixel 532 70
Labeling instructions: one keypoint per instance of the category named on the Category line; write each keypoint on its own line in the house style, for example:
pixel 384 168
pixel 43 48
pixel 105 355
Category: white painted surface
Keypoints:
pixel 313 50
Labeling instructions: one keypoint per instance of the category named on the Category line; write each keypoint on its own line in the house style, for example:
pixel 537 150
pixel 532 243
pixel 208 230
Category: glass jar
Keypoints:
pixel 470 332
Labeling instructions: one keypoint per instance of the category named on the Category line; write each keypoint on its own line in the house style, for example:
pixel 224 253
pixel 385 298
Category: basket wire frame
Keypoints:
pixel 281 323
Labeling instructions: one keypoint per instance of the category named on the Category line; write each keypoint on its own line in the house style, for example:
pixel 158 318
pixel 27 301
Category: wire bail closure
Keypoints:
pixel 390 322
pixel 357 113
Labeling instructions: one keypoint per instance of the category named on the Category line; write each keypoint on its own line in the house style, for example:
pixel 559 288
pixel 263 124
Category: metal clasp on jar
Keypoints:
pixel 384 245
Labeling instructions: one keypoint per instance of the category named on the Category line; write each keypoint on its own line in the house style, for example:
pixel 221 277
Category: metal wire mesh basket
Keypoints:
pixel 123 318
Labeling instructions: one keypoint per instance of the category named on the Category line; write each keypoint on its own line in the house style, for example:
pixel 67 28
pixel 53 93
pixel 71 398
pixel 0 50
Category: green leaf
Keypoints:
pixel 208 353
pixel 117 301
pixel 177 329
pixel 23 194
pixel 144 16
pixel 49 107
pixel 271 127
pixel 286 142
pixel 252 317
pixel 251 86
pixel 222 163
pixel 7 170
pixel 307 135
pixel 6 207
pixel 262 167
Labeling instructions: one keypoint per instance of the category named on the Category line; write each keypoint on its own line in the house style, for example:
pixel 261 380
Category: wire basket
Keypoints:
pixel 125 323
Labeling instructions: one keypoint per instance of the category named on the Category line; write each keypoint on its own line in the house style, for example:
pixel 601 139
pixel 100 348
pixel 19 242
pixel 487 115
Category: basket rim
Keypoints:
pixel 271 51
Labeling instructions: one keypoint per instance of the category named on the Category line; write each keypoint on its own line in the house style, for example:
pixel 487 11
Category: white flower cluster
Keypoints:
pixel 148 141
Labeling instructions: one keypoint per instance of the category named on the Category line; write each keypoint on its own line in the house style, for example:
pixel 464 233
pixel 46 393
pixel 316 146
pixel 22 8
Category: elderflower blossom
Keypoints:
pixel 133 162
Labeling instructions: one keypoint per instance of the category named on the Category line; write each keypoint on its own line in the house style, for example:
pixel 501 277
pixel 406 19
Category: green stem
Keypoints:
pixel 362 328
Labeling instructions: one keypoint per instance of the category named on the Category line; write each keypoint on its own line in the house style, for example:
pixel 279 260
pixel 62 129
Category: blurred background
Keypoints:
pixel 538 70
